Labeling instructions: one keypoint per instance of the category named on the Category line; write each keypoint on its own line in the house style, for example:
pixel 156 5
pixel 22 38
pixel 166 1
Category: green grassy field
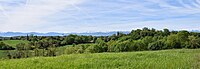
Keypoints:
pixel 2 54
pixel 166 59
pixel 14 42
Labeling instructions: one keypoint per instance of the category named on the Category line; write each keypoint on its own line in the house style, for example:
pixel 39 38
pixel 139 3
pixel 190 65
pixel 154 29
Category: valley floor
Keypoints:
pixel 164 59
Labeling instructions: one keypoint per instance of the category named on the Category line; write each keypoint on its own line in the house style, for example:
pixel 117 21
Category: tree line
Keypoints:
pixel 141 40
pixel 136 40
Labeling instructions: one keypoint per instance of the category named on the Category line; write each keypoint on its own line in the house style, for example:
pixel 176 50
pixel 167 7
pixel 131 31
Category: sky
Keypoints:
pixel 97 15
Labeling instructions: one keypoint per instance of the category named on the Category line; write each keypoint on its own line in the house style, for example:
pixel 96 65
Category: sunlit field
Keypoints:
pixel 13 43
pixel 165 59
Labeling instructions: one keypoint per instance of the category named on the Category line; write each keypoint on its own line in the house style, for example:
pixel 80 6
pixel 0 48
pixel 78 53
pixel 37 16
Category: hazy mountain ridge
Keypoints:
pixel 8 34
pixel 195 31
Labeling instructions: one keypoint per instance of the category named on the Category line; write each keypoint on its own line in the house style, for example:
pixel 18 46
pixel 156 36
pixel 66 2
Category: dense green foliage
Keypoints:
pixel 43 51
pixel 167 59
pixel 2 54
pixel 4 46
pixel 145 39
pixel 136 40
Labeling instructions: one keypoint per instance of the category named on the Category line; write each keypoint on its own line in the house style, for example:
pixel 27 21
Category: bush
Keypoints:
pixel 158 45
pixel 93 49
pixel 4 46
pixel 138 45
pixel 76 49
pixel 111 45
pixel 70 50
pixel 122 47
pixel 133 46
pixel 81 48
pixel 194 42
pixel 173 42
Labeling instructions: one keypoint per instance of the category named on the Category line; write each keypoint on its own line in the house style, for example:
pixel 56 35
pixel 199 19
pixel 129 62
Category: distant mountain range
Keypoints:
pixel 195 31
pixel 9 34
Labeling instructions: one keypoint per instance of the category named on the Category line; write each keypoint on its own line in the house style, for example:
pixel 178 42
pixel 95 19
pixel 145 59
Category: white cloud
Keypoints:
pixel 95 15
pixel 31 16
pixel 172 24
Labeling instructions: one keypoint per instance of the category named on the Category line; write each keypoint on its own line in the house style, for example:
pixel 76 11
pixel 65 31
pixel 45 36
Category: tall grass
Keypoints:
pixel 167 59
pixel 2 54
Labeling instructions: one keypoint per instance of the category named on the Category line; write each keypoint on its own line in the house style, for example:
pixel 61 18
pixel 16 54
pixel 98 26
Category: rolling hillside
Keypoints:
pixel 170 59
pixel 14 42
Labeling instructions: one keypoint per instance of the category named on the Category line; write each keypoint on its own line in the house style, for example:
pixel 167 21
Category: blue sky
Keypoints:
pixel 97 15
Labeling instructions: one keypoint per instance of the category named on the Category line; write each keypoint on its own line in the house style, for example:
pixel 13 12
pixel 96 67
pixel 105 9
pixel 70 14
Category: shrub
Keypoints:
pixel 70 50
pixel 193 42
pixel 4 46
pixel 121 47
pixel 111 45
pixel 138 45
pixel 158 45
pixel 93 49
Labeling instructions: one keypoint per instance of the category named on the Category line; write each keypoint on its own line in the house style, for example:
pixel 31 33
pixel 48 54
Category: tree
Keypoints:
pixel 20 46
pixel 113 37
pixel 146 41
pixel 122 47
pixel 69 40
pixel 70 50
pixel 145 29
pixel 139 45
pixel 102 45
pixel 81 49
pixel 124 38
pixel 166 32
pixel 194 42
pixel 94 39
pixel 111 45
pixel 76 49
pixel 9 55
pixel 51 50
pixel 182 37
pixel 90 39
pixel 137 40
pixel 146 32
pixel 158 45
pixel 173 42
pixel 36 51
pixel 120 34
pixel 22 49
pixel 93 49
pixel 78 40
pixel 135 34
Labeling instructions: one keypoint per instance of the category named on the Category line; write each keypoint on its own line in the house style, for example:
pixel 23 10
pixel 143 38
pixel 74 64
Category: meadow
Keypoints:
pixel 13 43
pixel 140 49
pixel 2 54
pixel 164 59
